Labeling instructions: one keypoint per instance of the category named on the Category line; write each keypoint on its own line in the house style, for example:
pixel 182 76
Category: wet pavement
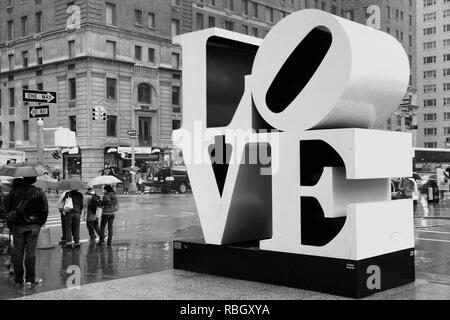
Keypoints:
pixel 144 229
pixel 139 263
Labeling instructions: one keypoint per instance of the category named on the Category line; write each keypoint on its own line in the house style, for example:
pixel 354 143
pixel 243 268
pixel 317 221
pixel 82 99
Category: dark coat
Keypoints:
pixel 77 200
pixel 36 209
pixel 109 203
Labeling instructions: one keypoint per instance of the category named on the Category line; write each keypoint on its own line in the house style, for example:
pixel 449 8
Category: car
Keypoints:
pixel 175 178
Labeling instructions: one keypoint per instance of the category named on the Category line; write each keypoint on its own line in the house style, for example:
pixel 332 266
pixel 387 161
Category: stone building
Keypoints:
pixel 115 54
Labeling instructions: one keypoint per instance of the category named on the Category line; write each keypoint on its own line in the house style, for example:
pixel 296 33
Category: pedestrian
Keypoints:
pixel 110 206
pixel 126 182
pixel 61 203
pixel 91 204
pixel 411 191
pixel 73 206
pixel 31 207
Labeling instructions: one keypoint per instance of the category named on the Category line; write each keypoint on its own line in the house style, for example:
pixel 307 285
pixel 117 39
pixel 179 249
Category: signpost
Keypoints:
pixel 39 112
pixel 39 96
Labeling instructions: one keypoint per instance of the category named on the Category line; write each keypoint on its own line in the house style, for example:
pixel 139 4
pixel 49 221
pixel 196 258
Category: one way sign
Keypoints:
pixel 39 96
pixel 39 112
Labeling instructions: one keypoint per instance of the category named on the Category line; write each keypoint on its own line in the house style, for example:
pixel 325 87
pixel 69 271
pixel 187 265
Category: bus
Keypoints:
pixel 427 160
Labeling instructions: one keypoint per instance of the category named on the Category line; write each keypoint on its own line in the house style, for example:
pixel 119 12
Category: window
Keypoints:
pixel 138 53
pixel 199 21
pixel 446 86
pixel 447 131
pixel 429 88
pixel 446 72
pixel 429 60
pixel 245 7
pixel 111 126
pixel 72 89
pixel 229 25
pixel 12 97
pixel 151 20
pixel 151 55
pixel 71 49
pixel 269 14
pixel 73 123
pixel 245 29
pixel 111 88
pixel 446 115
pixel 446 102
pixel 110 14
pixel 432 145
pixel 175 27
pixel 175 96
pixel 38 21
pixel 138 17
pixel 431 74
pixel 429 103
pixel 25 59
pixel 40 86
pixel 429 31
pixel 430 131
pixel 211 22
pixel 175 60
pixel 12 131
pixel 10 29
pixel 176 3
pixel 26 130
pixel 176 124
pixel 255 9
pixel 11 61
pixel 39 56
pixel 429 45
pixel 144 93
pixel 429 117
pixel 255 32
pixel 230 5
pixel 111 49
pixel 24 24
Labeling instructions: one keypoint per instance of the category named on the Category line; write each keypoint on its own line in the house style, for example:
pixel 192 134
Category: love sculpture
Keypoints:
pixel 313 210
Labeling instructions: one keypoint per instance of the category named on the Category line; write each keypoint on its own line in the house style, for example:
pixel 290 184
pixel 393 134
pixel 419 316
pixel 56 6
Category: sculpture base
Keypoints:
pixel 341 277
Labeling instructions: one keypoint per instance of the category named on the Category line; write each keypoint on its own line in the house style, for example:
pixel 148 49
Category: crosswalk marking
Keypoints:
pixel 435 240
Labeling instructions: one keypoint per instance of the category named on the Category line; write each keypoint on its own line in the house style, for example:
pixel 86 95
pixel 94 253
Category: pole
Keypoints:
pixel 133 156
pixel 40 140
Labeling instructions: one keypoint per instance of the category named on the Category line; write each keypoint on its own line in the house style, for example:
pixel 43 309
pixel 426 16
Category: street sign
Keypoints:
pixel 39 96
pixel 39 112
pixel 132 134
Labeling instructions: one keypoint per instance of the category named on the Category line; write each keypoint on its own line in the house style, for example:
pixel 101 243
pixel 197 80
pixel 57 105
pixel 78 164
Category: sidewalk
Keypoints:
pixel 182 285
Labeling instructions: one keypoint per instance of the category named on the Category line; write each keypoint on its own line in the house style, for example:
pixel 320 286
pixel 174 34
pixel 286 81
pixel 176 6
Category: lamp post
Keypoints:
pixel 40 140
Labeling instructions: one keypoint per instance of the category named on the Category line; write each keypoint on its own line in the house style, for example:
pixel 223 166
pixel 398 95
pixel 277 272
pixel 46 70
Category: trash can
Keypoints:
pixel 433 194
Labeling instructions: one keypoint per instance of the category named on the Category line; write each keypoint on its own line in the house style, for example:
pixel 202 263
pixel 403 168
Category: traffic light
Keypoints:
pixel 95 113
pixel 102 113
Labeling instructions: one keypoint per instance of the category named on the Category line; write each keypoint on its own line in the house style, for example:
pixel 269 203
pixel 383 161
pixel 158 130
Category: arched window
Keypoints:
pixel 144 93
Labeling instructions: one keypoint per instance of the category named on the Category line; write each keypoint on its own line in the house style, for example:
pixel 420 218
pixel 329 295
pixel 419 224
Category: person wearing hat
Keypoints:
pixel 91 204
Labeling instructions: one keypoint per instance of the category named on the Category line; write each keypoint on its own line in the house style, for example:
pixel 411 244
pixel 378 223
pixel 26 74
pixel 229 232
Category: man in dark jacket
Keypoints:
pixel 72 219
pixel 32 211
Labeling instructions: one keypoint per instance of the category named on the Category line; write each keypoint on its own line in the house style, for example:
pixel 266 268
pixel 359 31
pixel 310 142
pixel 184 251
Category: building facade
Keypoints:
pixel 433 39
pixel 114 54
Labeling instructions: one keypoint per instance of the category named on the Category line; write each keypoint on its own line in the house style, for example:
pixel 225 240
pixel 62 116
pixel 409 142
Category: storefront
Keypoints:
pixel 72 160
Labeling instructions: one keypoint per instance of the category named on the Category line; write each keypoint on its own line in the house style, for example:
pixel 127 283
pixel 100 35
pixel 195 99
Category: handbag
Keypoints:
pixel 12 216
pixel 68 204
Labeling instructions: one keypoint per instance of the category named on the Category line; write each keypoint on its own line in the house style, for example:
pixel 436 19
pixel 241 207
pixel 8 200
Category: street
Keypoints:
pixel 146 225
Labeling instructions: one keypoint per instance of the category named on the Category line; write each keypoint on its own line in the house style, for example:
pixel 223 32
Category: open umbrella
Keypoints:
pixel 47 178
pixel 24 169
pixel 71 184
pixel 45 182
pixel 6 179
pixel 102 180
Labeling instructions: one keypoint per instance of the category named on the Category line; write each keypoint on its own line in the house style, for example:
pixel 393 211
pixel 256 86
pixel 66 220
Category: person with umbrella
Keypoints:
pixel 91 202
pixel 71 206
pixel 31 206
pixel 110 207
